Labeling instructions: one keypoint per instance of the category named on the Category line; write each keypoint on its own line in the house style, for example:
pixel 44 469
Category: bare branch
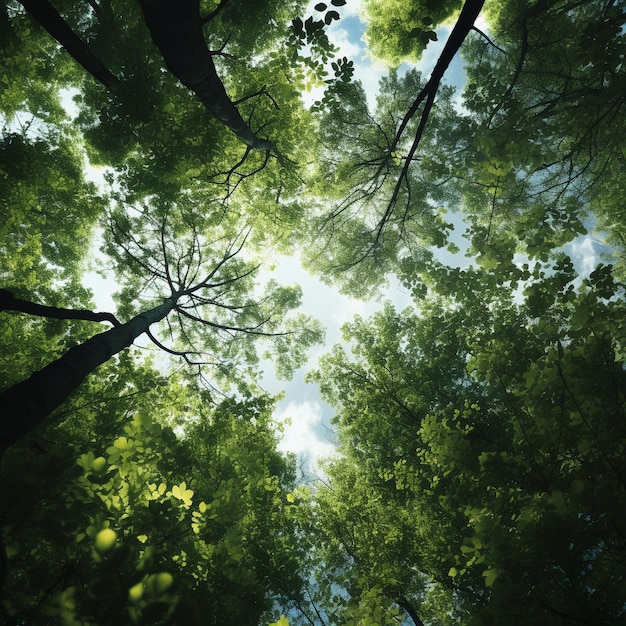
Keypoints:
pixel 227 281
pixel 119 235
pixel 220 51
pixel 246 330
pixel 486 37
pixel 215 12
pixel 185 354
pixel 250 96
pixel 407 163
pixel 8 302
pixel 229 254
pixel 166 265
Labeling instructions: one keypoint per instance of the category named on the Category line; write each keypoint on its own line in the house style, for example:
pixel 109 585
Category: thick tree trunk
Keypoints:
pixel 176 29
pixel 27 404
pixel 50 19
pixel 8 302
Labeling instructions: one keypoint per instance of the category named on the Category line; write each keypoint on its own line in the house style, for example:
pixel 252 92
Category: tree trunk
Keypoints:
pixel 50 19
pixel 469 13
pixel 408 607
pixel 28 403
pixel 176 29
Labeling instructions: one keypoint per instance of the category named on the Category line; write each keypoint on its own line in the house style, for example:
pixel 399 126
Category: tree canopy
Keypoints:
pixel 480 430
pixel 474 465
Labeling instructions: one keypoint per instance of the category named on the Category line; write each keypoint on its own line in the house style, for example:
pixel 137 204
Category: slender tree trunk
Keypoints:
pixel 176 29
pixel 50 19
pixel 408 607
pixel 8 302
pixel 469 14
pixel 28 403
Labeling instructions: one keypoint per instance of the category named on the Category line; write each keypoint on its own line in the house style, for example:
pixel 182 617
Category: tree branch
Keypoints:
pixel 51 20
pixel 8 302
pixel 215 12
pixel 176 29
pixel 487 38
pixel 185 354
pixel 408 607
pixel 469 13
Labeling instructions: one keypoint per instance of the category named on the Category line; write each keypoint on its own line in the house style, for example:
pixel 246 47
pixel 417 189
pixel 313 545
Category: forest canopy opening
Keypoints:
pixel 478 422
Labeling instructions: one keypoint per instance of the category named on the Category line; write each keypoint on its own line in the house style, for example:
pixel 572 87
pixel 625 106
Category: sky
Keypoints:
pixel 305 418
pixel 309 433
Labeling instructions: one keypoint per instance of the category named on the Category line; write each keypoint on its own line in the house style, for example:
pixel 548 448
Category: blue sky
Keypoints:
pixel 306 418
pixel 310 433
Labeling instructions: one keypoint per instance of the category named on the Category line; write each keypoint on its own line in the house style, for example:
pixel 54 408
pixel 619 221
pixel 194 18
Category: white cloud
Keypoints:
pixel 341 38
pixel 352 8
pixel 302 423
pixel 584 254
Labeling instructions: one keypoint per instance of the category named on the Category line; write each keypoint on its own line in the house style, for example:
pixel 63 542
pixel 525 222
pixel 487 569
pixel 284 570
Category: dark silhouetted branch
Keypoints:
pixel 52 21
pixel 176 29
pixel 8 302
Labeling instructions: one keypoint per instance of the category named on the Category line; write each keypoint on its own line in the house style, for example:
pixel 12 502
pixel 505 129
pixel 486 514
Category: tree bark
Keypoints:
pixel 8 302
pixel 464 24
pixel 28 403
pixel 50 19
pixel 408 607
pixel 176 29
pixel 469 13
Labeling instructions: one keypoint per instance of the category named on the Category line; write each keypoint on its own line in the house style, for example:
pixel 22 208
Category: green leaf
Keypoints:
pixel 135 593
pixel 121 443
pixel 180 492
pixel 158 584
pixel 105 540
pixel 490 576
pixel 99 465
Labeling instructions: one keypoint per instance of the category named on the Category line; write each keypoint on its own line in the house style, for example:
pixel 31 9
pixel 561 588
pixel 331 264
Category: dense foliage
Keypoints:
pixel 481 431
pixel 481 474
